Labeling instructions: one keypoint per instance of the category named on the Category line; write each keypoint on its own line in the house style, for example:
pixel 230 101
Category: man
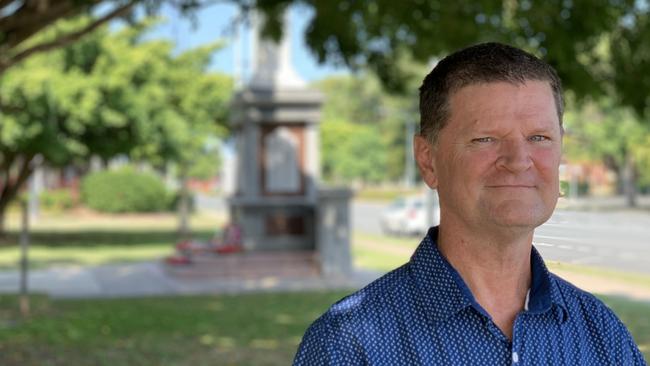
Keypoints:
pixel 476 292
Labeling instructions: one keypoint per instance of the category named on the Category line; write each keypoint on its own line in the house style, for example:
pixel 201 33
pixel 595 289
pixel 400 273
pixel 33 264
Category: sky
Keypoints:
pixel 215 23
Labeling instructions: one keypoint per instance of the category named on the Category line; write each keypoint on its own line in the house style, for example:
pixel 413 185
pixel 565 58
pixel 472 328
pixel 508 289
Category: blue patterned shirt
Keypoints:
pixel 423 313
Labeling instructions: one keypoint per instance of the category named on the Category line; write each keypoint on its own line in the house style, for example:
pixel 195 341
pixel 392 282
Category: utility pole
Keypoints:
pixel 409 162
pixel 184 205
pixel 24 261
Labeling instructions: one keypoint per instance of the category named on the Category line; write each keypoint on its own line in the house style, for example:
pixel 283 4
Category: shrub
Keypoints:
pixel 124 190
pixel 57 199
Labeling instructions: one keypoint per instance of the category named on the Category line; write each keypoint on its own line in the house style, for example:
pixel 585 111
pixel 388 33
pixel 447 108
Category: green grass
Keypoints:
pixel 46 256
pixel 637 279
pixel 99 239
pixel 259 329
pixel 410 242
pixel 383 194
pixel 92 247
pixel 376 259
pixel 256 329
pixel 381 253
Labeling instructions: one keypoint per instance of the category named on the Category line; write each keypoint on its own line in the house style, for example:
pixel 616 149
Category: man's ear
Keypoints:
pixel 423 152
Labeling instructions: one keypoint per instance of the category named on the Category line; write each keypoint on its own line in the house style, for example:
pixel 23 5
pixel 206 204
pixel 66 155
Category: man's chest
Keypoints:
pixel 475 340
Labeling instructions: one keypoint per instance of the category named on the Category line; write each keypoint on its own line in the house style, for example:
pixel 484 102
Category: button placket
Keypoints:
pixel 516 328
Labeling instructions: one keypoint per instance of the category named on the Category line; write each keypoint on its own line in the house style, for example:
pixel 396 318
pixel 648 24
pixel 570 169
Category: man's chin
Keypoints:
pixel 518 216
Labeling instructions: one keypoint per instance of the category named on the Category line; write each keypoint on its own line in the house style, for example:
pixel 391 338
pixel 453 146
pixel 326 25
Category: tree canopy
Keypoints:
pixel 599 47
pixel 108 94
pixel 604 132
pixel 364 129
pixel 21 22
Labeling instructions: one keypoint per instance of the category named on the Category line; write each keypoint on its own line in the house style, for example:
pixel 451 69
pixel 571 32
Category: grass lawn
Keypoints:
pixel 384 193
pixel 259 329
pixel 98 239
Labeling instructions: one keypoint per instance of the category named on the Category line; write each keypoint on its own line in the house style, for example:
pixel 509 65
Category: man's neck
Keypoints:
pixel 496 268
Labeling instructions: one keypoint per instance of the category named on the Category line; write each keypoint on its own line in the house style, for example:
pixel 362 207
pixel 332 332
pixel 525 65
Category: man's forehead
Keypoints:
pixel 518 83
pixel 483 102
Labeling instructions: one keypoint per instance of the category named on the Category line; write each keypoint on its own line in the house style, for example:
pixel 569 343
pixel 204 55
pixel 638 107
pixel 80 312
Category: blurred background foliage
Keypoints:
pixel 71 87
pixel 113 93
pixel 124 190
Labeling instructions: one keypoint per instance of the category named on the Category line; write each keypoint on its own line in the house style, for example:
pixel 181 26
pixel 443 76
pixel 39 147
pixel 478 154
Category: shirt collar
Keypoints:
pixel 544 292
pixel 442 292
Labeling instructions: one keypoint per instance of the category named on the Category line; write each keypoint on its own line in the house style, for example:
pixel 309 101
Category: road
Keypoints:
pixel 615 240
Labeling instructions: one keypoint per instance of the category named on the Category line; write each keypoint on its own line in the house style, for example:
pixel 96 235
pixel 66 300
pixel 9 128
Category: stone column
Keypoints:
pixel 333 231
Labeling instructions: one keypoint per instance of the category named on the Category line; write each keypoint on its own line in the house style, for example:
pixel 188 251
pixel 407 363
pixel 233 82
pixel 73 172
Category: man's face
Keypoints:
pixel 496 160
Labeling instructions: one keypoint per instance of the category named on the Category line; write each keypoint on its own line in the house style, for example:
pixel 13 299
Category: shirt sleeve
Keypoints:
pixel 326 343
pixel 631 355
pixel 624 346
pixel 637 357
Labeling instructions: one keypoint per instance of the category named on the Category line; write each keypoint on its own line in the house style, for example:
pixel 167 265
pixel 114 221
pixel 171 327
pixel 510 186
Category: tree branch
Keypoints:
pixel 66 39
pixel 29 19
pixel 4 3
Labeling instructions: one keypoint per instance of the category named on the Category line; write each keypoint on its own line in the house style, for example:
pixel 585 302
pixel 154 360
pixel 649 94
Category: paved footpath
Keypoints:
pixel 152 279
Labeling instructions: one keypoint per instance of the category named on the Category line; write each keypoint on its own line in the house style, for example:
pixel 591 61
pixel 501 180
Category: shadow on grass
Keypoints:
pixel 250 329
pixel 92 238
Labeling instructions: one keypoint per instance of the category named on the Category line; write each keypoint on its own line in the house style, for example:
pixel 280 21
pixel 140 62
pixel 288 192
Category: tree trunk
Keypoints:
pixel 11 186
pixel 629 181
pixel 3 234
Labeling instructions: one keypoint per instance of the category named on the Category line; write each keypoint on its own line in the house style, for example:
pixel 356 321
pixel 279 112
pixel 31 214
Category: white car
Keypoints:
pixel 408 215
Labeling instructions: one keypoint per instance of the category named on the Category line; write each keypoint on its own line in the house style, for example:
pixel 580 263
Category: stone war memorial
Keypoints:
pixel 291 225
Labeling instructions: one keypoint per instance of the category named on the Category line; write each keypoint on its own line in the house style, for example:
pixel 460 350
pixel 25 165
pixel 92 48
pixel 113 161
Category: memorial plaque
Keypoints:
pixel 282 160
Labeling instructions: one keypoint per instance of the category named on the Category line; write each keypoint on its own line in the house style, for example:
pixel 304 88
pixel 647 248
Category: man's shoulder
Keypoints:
pixel 585 306
pixel 571 294
pixel 368 302
pixel 341 336
pixel 593 320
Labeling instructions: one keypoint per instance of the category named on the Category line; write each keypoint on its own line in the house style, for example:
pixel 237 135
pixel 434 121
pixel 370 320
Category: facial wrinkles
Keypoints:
pixel 522 106
pixel 511 142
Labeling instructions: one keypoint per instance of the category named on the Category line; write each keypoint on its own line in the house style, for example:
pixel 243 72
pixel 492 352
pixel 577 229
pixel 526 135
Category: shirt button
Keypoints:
pixel 515 357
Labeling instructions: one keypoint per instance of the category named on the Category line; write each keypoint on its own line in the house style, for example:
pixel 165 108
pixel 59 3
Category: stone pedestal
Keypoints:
pixel 276 224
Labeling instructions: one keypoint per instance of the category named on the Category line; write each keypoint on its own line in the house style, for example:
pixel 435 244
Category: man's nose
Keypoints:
pixel 514 156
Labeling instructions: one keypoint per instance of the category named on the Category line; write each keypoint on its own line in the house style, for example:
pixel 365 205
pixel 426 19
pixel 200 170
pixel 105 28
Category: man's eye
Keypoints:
pixel 538 138
pixel 482 140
